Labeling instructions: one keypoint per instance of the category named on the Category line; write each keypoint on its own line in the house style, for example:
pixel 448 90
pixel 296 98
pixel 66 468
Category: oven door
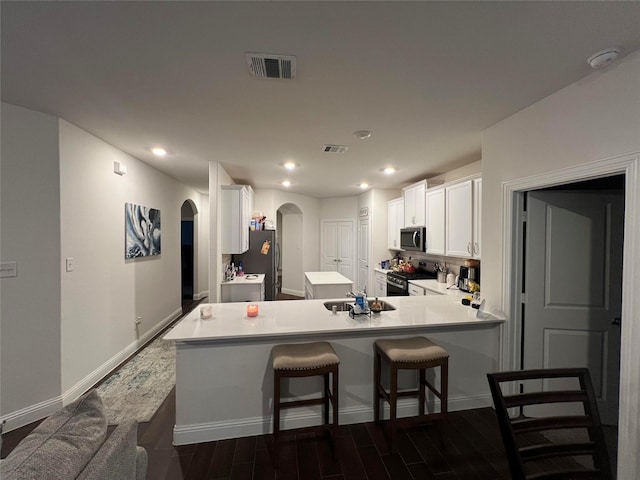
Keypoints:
pixel 397 287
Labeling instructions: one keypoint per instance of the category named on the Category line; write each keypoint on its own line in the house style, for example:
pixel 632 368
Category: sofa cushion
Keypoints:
pixel 119 458
pixel 61 446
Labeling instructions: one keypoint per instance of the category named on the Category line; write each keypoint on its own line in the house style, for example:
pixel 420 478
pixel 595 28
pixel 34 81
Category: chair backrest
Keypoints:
pixel 554 446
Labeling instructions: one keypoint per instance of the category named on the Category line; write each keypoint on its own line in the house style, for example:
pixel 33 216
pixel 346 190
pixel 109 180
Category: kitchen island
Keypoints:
pixel 224 380
pixel 326 285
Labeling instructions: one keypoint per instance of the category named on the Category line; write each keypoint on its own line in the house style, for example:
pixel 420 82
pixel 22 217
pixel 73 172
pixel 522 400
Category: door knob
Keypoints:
pixel 616 321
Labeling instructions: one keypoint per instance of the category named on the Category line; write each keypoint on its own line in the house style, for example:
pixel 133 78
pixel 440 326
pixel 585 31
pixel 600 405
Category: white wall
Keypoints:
pixel 217 176
pixel 268 202
pixel 104 294
pixel 292 253
pixel 376 201
pixel 63 331
pixel 339 208
pixel 595 118
pixel 201 288
pixel 456 174
pixel 589 121
pixel 30 235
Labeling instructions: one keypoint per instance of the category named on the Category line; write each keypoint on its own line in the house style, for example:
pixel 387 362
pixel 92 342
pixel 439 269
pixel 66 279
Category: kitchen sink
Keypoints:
pixel 345 305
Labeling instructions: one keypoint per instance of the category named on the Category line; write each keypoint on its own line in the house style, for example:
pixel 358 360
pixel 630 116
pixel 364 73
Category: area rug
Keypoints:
pixel 137 389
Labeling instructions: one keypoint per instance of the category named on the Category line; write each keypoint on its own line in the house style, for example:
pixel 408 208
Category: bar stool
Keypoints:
pixel 305 360
pixel 414 353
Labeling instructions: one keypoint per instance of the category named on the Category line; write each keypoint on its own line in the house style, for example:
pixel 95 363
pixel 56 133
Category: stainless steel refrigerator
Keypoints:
pixel 255 261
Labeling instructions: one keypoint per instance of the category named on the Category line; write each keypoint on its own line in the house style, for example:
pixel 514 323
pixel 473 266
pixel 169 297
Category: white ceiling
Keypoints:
pixel 425 77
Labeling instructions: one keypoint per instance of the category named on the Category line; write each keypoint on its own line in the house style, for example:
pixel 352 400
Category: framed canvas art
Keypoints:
pixel 142 231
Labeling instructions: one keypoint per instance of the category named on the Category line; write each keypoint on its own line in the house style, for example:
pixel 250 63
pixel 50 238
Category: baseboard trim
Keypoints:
pixel 297 293
pixel 35 412
pixel 207 432
pixel 99 373
pixel 201 295
pixel 30 414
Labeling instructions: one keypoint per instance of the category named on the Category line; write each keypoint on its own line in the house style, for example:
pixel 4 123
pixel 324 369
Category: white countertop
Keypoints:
pixel 246 279
pixel 440 288
pixel 308 317
pixel 382 270
pixel 327 278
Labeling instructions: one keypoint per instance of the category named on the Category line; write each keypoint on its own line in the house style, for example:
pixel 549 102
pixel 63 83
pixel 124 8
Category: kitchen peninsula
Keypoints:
pixel 224 380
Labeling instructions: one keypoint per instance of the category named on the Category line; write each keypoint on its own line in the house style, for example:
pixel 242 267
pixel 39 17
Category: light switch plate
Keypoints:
pixel 69 264
pixel 8 269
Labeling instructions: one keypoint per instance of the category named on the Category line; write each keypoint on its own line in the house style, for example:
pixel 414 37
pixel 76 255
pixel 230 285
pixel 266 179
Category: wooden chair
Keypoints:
pixel 562 453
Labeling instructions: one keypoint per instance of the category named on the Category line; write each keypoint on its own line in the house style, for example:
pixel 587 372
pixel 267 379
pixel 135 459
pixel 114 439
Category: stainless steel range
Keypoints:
pixel 398 282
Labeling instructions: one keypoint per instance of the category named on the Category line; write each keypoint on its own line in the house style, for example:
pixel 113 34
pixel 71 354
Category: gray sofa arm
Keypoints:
pixel 119 458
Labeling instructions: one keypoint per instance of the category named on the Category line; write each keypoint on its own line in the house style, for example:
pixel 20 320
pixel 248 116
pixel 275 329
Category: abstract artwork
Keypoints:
pixel 142 225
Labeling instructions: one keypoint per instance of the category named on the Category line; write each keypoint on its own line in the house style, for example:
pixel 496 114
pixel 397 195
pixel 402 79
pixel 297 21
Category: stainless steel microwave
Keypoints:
pixel 413 238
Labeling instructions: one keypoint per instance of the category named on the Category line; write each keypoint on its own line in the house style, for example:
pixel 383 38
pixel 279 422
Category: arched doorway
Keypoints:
pixel 188 242
pixel 290 232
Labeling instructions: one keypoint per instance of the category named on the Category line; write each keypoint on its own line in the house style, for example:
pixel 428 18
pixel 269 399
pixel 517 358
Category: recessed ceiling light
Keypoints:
pixel 389 170
pixel 364 185
pixel 603 57
pixel 286 183
pixel 159 151
pixel 289 165
pixel 362 134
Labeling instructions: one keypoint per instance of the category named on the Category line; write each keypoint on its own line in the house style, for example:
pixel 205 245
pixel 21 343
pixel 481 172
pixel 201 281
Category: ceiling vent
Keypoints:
pixel 266 65
pixel 335 148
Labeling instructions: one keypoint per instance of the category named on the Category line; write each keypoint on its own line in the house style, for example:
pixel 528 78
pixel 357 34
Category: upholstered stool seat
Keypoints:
pixel 305 360
pixel 414 353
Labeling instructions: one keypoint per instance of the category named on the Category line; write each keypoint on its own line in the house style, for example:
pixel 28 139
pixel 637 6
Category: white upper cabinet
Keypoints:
pixel 414 204
pixel 477 216
pixel 435 221
pixel 395 221
pixel 237 204
pixel 459 219
pixel 462 218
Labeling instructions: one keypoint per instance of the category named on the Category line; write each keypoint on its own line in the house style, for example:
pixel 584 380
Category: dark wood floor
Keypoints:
pixel 467 446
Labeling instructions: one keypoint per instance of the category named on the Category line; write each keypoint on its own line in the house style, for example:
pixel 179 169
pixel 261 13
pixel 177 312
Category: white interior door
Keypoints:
pixel 329 246
pixel 573 284
pixel 346 249
pixel 363 254
pixel 338 247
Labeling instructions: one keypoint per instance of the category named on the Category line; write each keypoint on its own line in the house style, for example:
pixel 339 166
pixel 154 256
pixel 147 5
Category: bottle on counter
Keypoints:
pixel 240 269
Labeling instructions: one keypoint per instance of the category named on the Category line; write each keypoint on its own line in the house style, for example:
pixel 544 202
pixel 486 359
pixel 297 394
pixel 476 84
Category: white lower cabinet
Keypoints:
pixel 417 291
pixel 247 288
pixel 380 284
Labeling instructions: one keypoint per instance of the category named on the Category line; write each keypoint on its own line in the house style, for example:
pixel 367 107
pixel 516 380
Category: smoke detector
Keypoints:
pixel 267 65
pixel 603 57
pixel 335 148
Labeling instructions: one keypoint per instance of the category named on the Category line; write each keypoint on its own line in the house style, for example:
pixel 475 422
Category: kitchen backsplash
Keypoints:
pixel 453 264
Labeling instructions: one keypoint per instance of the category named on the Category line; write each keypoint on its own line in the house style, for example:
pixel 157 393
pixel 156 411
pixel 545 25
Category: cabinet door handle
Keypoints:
pixel 475 248
pixel 469 247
